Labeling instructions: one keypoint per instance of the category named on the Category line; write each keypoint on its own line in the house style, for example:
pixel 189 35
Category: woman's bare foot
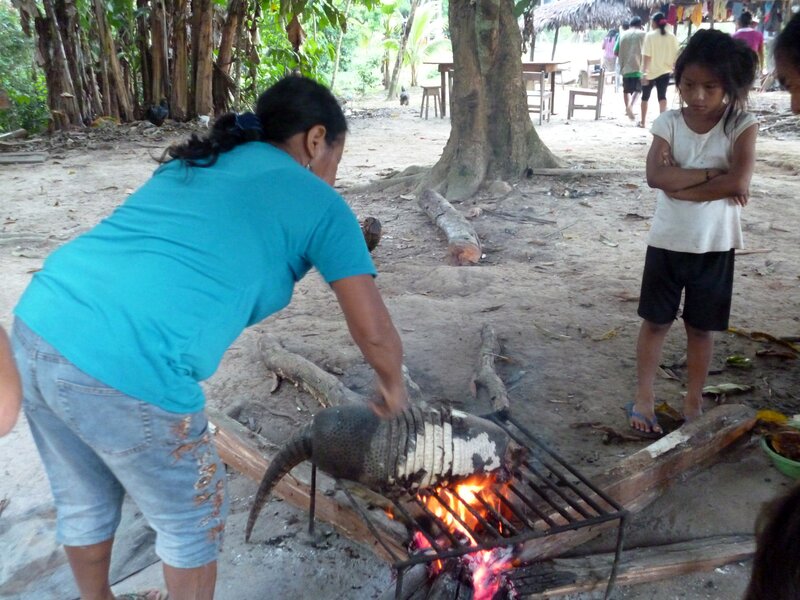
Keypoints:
pixel 692 409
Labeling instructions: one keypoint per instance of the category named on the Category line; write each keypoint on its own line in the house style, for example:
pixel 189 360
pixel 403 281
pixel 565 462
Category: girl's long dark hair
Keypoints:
pixel 731 60
pixel 293 105
pixel 787 44
pixel 660 21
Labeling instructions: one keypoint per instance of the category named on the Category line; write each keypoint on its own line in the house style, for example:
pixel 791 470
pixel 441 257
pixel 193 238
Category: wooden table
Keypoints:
pixel 549 67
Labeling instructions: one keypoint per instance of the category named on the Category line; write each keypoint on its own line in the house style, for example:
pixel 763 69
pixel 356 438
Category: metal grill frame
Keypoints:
pixel 578 504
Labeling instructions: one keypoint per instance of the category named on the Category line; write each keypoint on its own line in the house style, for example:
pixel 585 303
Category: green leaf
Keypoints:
pixel 521 6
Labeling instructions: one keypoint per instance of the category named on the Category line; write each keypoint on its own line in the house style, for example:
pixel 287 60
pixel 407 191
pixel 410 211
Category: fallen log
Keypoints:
pixel 463 243
pixel 327 389
pixel 239 449
pixel 638 479
pixel 486 384
pixel 12 158
pixel 638 565
pixel 11 135
pixel 586 172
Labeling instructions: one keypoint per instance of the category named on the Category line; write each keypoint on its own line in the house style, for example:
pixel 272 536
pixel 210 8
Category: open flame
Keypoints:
pixel 451 505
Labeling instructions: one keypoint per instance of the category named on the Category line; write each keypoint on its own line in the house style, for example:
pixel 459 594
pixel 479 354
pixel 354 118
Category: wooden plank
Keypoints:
pixel 639 565
pixel 12 158
pixel 239 449
pixel 638 479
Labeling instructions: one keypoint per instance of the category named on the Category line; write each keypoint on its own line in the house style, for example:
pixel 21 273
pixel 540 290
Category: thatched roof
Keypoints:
pixel 582 14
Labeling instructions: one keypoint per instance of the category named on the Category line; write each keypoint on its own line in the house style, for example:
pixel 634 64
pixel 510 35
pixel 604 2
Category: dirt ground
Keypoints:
pixel 561 296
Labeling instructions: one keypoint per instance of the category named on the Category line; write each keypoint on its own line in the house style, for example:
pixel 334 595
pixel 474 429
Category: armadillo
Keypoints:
pixel 417 449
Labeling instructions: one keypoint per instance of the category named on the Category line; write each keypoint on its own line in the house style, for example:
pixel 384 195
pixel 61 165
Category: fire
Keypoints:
pixel 447 503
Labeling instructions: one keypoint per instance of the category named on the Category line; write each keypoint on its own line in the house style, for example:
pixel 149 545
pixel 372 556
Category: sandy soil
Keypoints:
pixel 561 297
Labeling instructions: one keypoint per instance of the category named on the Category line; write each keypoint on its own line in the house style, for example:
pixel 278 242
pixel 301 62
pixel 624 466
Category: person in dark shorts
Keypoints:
pixel 629 51
pixel 659 53
pixel 700 161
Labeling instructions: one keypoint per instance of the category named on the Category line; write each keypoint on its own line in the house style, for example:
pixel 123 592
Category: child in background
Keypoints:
pixel 609 58
pixel 700 161
pixel 658 59
pixel 10 389
pixel 787 60
pixel 752 37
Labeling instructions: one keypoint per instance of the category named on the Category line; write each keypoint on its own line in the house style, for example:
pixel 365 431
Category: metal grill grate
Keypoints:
pixel 544 497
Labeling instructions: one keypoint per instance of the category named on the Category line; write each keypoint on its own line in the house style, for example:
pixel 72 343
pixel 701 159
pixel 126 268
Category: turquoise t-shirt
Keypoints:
pixel 149 299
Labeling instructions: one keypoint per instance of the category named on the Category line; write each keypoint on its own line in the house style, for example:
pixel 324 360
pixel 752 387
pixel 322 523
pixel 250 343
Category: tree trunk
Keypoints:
pixel 203 67
pixel 179 96
pixel 108 49
pixel 392 94
pixel 143 43
pixel 492 135
pixel 157 39
pixel 223 88
pixel 61 91
pixel 69 28
pixel 338 56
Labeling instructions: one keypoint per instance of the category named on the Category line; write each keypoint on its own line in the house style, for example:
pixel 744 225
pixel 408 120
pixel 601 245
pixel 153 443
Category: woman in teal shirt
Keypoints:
pixel 115 333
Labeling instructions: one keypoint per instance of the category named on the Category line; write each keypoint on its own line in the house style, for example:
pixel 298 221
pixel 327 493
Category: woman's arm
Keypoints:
pixel 10 388
pixel 664 174
pixel 371 327
pixel 735 182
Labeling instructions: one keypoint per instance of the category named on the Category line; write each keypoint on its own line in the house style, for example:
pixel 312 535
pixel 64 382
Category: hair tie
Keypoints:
pixel 661 22
pixel 248 122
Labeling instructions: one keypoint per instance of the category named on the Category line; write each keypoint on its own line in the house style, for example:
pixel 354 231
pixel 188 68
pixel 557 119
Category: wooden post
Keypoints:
pixel 555 42
pixel 711 9
pixel 463 242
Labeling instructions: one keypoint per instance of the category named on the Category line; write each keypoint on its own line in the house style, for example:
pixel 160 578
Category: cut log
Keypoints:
pixel 640 478
pixel 239 448
pixel 463 242
pixel 12 158
pixel 11 135
pixel 639 565
pixel 486 384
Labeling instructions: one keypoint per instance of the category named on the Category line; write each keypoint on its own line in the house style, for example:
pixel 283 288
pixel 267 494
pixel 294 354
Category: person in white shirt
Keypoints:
pixel 700 161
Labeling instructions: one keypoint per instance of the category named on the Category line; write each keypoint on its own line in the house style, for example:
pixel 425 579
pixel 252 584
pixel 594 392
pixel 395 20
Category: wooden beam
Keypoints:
pixel 240 449
pixel 638 479
pixel 639 565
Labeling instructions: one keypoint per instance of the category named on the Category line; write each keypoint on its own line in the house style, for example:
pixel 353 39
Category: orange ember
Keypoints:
pixel 452 507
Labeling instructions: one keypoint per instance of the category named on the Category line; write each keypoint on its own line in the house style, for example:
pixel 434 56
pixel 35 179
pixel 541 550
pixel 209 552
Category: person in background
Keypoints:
pixel 10 389
pixel 701 161
pixel 787 60
pixel 629 50
pixel 113 336
pixel 659 53
pixel 608 45
pixel 752 37
pixel 776 564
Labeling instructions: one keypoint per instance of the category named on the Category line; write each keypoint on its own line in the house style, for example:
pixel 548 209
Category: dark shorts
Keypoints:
pixel 631 85
pixel 661 83
pixel 707 279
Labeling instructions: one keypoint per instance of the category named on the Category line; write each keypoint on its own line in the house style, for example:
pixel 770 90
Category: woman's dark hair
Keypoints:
pixel 787 44
pixel 746 18
pixel 661 22
pixel 293 105
pixel 776 565
pixel 612 33
pixel 732 61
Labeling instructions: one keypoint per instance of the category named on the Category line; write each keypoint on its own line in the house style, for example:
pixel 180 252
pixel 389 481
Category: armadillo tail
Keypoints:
pixel 296 450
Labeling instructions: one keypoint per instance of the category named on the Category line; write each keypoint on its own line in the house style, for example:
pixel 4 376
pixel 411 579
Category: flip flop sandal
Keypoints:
pixel 148 595
pixel 650 435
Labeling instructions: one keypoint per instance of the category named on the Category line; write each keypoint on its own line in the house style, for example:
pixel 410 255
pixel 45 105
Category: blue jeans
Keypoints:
pixel 97 443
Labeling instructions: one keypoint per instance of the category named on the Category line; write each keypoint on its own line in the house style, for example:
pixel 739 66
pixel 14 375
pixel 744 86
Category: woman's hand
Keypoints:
pixel 391 400
pixel 741 199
